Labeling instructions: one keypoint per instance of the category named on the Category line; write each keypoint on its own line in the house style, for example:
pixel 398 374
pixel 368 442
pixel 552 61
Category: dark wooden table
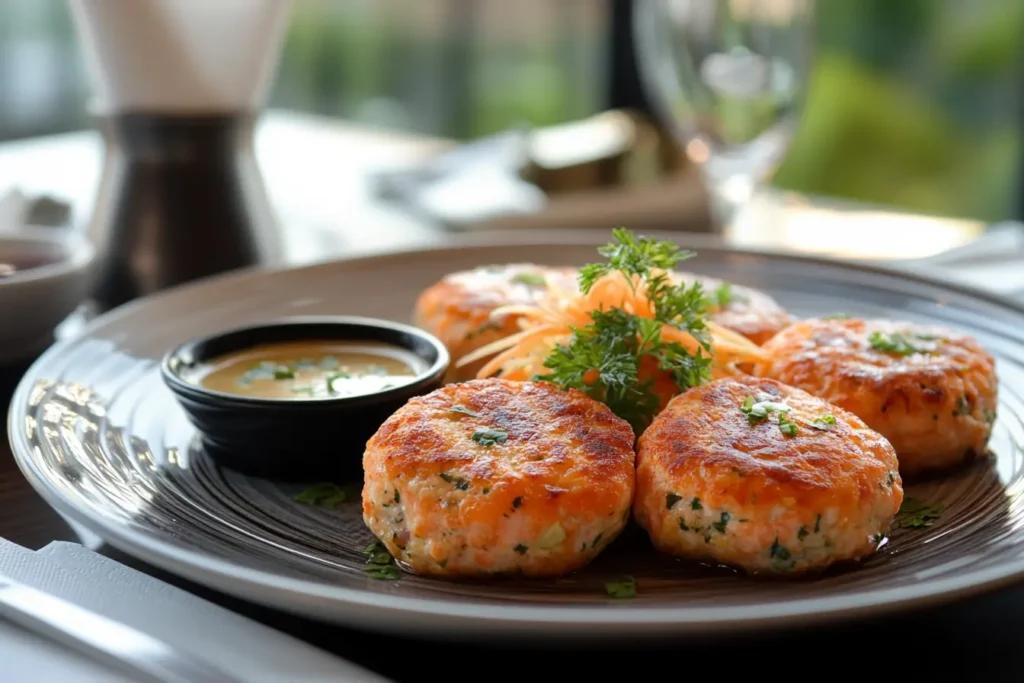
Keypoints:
pixel 981 639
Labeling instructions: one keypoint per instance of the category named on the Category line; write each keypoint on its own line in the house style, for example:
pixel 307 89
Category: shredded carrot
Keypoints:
pixel 551 321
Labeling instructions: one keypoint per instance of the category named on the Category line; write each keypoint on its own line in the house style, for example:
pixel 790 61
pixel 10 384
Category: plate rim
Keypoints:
pixel 414 614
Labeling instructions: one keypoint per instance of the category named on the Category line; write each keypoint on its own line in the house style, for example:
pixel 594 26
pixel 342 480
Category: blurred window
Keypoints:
pixel 915 103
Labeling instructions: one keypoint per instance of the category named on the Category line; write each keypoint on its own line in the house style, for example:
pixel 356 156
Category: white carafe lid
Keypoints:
pixel 180 56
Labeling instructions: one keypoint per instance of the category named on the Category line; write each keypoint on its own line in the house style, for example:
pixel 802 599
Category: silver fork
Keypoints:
pixel 103 639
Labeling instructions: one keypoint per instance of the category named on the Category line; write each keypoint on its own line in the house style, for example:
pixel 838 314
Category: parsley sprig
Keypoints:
pixel 605 358
pixel 632 255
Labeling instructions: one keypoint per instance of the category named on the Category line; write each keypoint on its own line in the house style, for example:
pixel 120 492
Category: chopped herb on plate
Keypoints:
pixel 621 589
pixel 914 514
pixel 327 495
pixel 380 564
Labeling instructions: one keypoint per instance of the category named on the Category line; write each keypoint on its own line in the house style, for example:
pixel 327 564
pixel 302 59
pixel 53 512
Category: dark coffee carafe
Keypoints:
pixel 178 87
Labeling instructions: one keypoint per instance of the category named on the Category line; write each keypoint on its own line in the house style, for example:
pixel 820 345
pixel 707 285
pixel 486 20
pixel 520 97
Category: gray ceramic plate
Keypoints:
pixel 100 437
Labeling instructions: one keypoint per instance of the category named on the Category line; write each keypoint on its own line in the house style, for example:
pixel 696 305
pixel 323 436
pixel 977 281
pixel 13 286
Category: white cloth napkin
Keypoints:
pixel 251 651
pixel 995 261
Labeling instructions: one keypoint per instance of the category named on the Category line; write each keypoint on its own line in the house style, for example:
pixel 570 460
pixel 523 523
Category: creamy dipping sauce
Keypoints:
pixel 312 370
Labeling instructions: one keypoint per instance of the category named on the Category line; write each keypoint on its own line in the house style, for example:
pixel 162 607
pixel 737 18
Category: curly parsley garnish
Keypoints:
pixel 632 255
pixel 608 358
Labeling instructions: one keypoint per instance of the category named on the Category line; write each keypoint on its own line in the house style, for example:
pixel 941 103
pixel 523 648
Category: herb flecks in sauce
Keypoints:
pixel 286 370
pixel 671 499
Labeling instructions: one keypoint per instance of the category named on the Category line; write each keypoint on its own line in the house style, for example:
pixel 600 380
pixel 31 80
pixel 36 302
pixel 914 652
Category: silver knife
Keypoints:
pixel 103 639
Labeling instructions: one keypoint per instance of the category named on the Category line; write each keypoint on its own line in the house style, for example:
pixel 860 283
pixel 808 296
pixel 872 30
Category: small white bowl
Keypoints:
pixel 36 300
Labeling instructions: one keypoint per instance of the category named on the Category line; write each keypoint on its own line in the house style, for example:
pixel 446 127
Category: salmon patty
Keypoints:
pixel 457 310
pixel 493 476
pixel 746 311
pixel 764 477
pixel 932 392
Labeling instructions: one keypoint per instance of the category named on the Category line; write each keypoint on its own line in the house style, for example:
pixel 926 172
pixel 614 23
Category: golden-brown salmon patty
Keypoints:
pixel 493 476
pixel 757 475
pixel 931 391
pixel 457 309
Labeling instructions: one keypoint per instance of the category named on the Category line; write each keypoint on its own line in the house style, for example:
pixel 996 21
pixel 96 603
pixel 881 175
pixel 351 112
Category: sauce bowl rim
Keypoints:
pixel 201 394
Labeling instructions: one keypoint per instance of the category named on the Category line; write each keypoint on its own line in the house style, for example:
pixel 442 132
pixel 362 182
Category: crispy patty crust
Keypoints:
pixel 457 309
pixel 493 476
pixel 767 478
pixel 931 391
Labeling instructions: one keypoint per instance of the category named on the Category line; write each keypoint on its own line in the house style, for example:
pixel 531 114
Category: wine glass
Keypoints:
pixel 728 77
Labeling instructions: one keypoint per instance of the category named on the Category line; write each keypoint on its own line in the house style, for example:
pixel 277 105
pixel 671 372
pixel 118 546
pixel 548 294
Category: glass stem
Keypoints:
pixel 727 196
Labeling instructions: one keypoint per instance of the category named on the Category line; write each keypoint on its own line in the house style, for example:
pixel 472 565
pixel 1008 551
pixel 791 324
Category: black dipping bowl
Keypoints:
pixel 296 440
